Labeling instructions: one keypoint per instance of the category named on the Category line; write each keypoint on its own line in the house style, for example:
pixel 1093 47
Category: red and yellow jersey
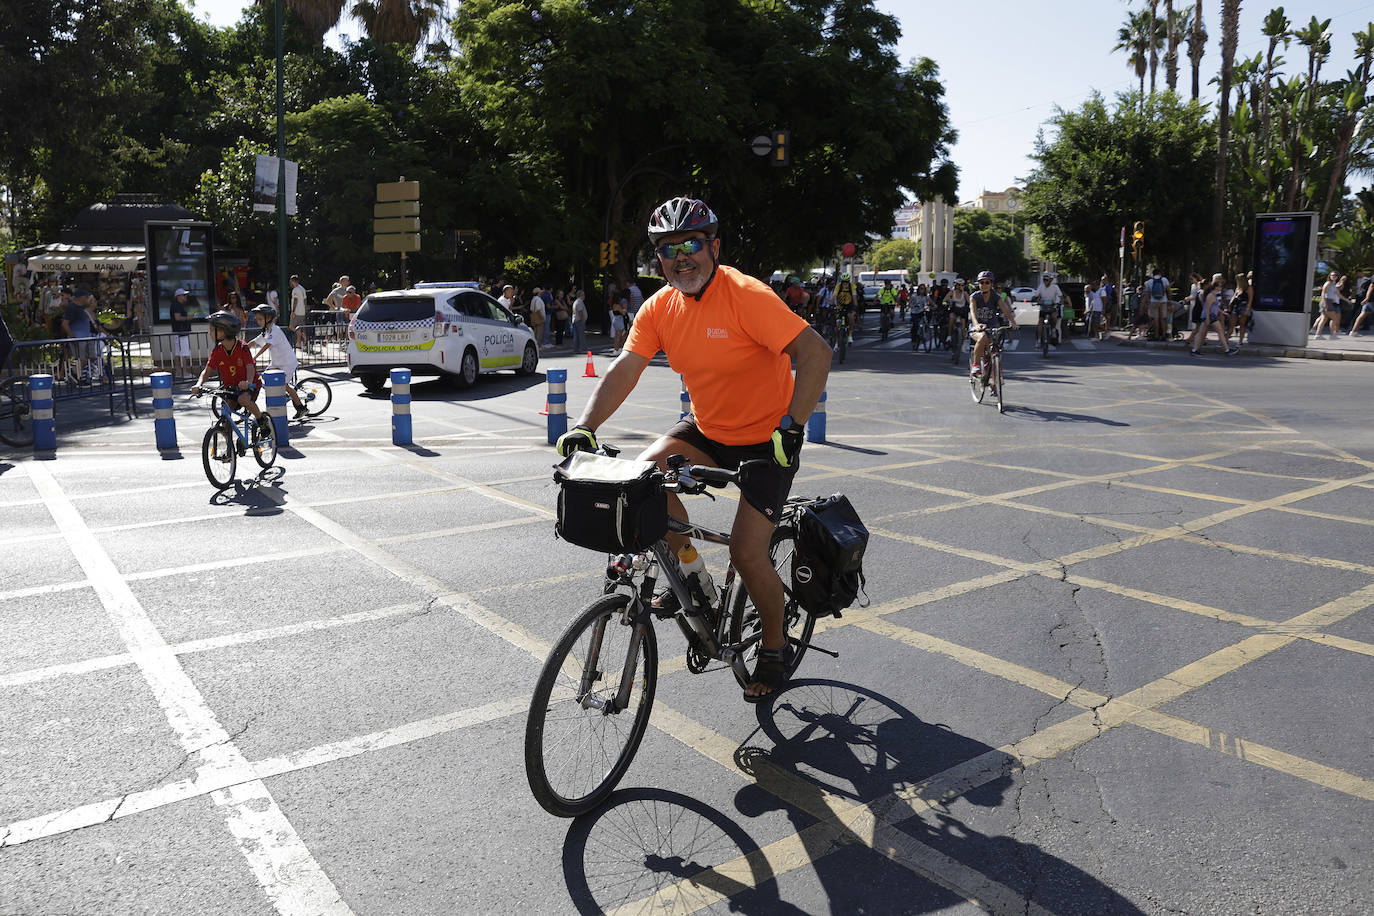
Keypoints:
pixel 235 368
pixel 728 347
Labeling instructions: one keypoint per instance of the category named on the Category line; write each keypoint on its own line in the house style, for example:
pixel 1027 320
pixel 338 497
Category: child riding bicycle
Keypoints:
pixel 273 339
pixel 238 374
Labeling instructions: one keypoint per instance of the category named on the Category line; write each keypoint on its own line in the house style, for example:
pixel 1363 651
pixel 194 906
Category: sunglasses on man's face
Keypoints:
pixel 689 247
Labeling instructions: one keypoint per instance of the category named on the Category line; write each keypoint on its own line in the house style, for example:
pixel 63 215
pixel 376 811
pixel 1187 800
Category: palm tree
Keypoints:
pixel 1276 30
pixel 1197 45
pixel 398 21
pixel 1171 40
pixel 1355 93
pixel 1230 24
pixel 387 21
pixel 1154 42
pixel 317 16
pixel 1134 39
pixel 1316 37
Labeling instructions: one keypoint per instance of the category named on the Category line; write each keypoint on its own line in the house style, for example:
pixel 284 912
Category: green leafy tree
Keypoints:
pixel 585 98
pixel 988 241
pixel 1107 168
pixel 895 254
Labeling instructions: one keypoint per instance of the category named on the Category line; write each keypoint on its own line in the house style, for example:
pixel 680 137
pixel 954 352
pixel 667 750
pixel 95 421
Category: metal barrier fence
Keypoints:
pixel 83 367
pixel 322 340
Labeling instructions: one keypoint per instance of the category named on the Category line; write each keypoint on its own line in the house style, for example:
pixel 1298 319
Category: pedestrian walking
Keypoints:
pixel 1212 318
pixel 1332 296
pixel 1240 316
pixel 560 317
pixel 579 321
pixel 1092 295
pixel 1158 288
pixel 537 316
pixel 181 330
pixel 1366 309
pixel 298 319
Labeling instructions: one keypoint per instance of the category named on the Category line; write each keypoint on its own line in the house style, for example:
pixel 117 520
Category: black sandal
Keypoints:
pixel 772 671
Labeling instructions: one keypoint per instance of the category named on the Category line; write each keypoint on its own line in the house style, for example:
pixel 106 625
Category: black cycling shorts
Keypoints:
pixel 765 487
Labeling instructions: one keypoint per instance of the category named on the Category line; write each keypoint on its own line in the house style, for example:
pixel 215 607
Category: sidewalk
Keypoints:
pixel 1352 348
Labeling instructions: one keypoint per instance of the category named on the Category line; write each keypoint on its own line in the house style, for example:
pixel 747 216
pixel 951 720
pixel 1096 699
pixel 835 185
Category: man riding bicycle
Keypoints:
pixel 1051 297
pixel 887 302
pixel 986 310
pixel 732 339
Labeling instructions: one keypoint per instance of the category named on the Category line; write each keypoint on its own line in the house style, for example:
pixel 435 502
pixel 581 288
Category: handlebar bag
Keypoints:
pixel 613 505
pixel 827 567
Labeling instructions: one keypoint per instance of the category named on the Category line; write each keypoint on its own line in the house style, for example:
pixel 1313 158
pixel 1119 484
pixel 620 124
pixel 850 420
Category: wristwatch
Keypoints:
pixel 786 422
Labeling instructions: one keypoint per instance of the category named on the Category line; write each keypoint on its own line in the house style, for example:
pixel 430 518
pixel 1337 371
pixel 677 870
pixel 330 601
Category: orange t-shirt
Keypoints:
pixel 728 348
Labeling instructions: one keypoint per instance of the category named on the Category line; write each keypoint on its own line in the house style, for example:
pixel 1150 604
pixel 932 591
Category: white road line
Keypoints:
pixel 284 867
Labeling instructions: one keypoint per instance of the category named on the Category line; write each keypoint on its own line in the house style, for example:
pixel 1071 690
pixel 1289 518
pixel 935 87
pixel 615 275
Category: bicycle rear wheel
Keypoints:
pixel 578 742
pixel 16 422
pixel 315 394
pixel 218 456
pixel 745 622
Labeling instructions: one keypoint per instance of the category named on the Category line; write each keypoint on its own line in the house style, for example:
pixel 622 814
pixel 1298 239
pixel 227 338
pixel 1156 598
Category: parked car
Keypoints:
pixel 1023 294
pixel 433 329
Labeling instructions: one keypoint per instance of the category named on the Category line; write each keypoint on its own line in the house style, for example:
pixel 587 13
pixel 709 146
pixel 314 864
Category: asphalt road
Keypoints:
pixel 1116 660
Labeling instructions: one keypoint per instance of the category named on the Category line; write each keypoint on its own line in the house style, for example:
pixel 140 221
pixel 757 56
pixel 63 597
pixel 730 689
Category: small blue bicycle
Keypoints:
pixel 234 432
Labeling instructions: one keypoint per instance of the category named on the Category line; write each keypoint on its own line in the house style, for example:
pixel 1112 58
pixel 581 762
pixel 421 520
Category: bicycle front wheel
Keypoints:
pixel 218 456
pixel 745 623
pixel 1000 391
pixel 265 444
pixel 979 386
pixel 16 422
pixel 315 394
pixel 579 738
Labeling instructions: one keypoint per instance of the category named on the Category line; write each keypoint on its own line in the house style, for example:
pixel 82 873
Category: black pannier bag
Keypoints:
pixel 613 505
pixel 827 568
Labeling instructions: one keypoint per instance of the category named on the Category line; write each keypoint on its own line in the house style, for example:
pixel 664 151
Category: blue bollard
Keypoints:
pixel 40 412
pixel 558 403
pixel 164 424
pixel 815 427
pixel 400 407
pixel 274 385
pixel 686 399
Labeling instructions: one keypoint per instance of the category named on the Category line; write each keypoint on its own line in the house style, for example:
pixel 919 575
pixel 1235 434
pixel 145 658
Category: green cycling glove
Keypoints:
pixel 787 445
pixel 577 439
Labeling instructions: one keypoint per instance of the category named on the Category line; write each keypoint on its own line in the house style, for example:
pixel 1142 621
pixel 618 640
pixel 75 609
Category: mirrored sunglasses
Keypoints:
pixel 689 247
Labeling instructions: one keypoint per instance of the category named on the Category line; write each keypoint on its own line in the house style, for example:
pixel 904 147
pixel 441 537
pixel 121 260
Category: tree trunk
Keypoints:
pixel 1154 49
pixel 1230 19
pixel 1196 46
pixel 1264 119
pixel 1171 40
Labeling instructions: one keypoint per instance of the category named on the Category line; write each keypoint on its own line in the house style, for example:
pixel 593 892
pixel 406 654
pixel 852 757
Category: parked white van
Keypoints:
pixel 437 329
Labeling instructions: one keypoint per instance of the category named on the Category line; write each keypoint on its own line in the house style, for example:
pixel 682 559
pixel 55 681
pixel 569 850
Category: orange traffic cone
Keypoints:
pixel 591 369
pixel 545 411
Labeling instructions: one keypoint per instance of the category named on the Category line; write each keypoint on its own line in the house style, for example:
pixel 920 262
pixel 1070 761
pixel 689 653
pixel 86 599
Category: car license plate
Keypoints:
pixel 393 336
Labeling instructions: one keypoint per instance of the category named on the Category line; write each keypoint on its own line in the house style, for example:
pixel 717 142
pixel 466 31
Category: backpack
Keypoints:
pixel 1156 288
pixel 827 567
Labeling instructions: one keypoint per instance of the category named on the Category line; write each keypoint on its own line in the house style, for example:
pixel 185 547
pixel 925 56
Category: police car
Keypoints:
pixel 444 329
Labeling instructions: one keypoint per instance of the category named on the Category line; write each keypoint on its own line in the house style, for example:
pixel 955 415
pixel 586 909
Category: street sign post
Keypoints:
pixel 396 220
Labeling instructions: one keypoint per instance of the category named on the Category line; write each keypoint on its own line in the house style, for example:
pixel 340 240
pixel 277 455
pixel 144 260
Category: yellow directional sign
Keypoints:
pixel 396 208
pixel 396 241
pixel 398 190
pixel 398 224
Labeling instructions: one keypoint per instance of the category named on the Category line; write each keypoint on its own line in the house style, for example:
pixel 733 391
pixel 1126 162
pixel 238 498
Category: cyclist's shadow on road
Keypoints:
pixel 836 759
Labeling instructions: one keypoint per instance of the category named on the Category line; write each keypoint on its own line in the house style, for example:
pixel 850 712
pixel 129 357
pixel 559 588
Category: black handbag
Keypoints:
pixel 613 505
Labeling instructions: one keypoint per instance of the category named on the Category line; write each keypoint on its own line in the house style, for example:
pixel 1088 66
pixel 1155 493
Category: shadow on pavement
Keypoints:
pixel 833 745
pixel 1060 416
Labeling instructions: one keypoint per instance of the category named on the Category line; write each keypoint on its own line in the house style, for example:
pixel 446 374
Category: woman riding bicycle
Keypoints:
pixel 986 310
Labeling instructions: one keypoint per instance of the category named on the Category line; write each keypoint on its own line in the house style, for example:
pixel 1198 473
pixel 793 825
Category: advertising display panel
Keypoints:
pixel 1284 260
pixel 180 256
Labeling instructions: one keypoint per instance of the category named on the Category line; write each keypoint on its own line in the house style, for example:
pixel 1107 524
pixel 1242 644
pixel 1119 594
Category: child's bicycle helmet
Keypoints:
pixel 227 322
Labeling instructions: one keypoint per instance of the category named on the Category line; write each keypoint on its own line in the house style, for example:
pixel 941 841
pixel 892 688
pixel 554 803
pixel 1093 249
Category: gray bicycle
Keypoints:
pixel 592 699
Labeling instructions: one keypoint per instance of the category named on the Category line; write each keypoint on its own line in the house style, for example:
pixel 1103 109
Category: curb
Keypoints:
pixel 1260 351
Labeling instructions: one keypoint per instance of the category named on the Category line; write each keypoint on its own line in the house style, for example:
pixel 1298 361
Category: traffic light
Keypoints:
pixel 1035 267
pixel 613 254
pixel 782 147
pixel 1138 237
pixel 605 253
